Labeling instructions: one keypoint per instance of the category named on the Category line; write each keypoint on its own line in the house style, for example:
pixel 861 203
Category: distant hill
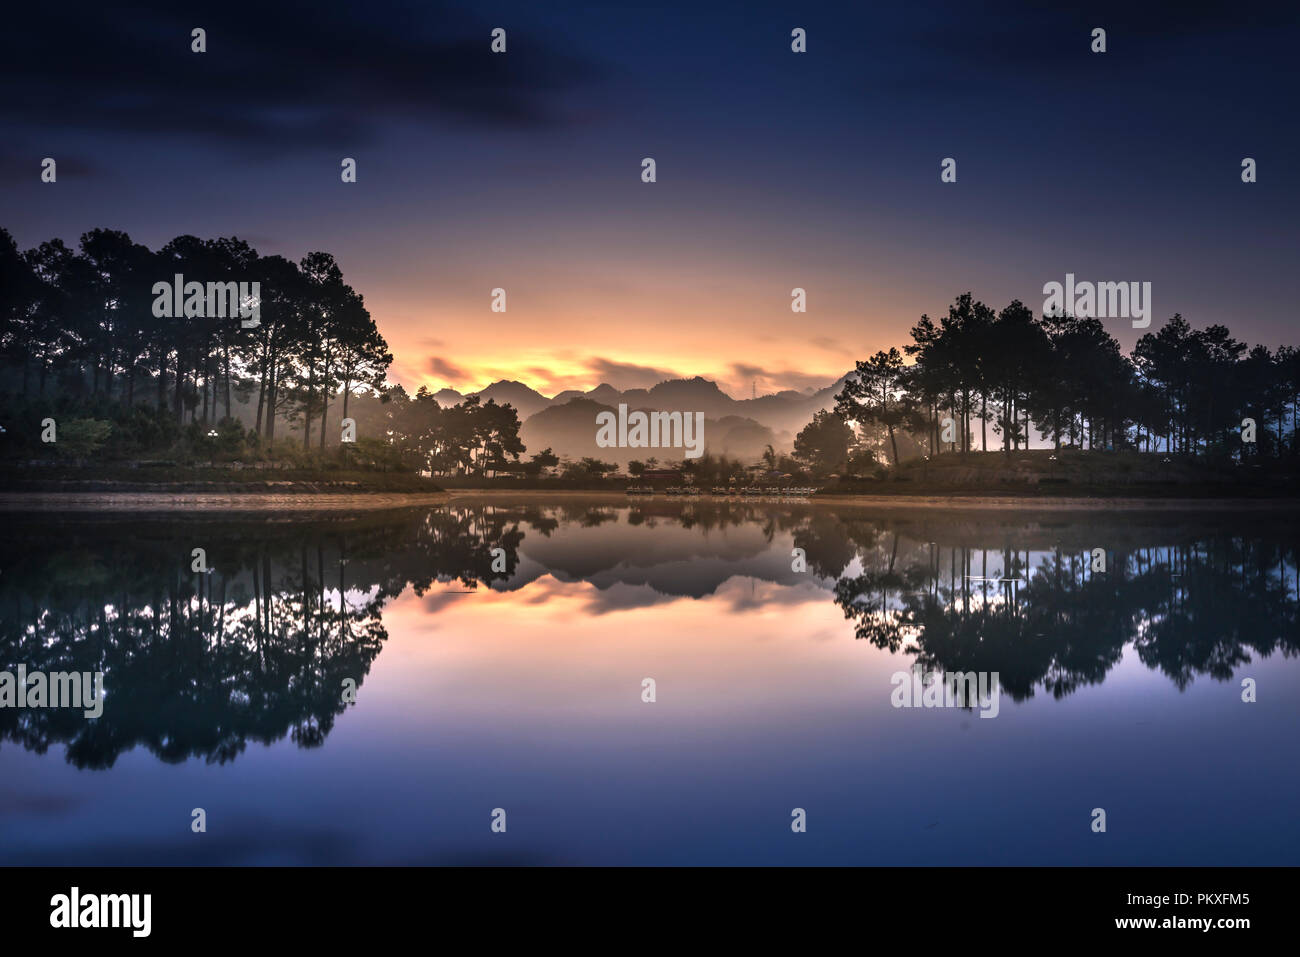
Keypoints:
pixel 570 430
pixel 741 428
pixel 526 401
pixel 789 411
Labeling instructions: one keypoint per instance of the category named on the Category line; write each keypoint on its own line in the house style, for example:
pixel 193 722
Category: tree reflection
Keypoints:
pixel 1043 618
pixel 198 664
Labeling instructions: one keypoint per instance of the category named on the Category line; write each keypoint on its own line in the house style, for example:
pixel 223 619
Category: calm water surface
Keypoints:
pixel 522 688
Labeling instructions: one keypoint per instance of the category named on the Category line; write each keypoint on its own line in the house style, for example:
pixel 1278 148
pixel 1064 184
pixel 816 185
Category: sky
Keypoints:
pixel 775 169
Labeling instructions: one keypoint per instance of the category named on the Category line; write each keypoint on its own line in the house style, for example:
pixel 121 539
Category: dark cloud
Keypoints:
pixel 275 77
pixel 778 379
pixel 626 375
pixel 830 345
pixel 446 370
pixel 1010 40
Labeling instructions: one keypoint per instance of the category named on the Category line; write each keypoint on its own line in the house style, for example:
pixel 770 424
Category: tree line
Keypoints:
pixel 80 340
pixel 78 336
pixel 1011 373
pixel 80 323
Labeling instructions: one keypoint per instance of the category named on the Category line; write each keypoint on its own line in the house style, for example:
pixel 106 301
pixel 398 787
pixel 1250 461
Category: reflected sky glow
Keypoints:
pixel 526 693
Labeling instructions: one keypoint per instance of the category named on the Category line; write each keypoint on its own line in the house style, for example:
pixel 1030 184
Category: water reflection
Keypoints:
pixel 197 664
pixel 1043 618
pixel 259 647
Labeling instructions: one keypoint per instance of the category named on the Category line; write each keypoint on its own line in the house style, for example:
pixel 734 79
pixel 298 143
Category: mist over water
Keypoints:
pixel 498 653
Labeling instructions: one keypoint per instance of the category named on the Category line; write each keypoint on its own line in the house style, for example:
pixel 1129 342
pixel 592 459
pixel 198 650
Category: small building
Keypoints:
pixel 661 475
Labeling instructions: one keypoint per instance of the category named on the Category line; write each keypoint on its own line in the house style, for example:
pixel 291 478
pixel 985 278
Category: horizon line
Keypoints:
pixel 583 392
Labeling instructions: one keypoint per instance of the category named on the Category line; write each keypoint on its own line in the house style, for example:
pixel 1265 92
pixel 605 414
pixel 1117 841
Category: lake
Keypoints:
pixel 499 651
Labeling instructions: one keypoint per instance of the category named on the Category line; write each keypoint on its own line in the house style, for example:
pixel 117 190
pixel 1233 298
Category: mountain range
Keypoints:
pixel 740 428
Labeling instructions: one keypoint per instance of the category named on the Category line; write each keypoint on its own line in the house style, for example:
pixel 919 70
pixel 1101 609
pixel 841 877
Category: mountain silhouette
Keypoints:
pixel 526 401
pixel 570 430
pixel 741 428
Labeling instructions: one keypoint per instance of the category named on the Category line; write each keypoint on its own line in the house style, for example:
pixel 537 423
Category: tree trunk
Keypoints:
pixel 180 378
pixel 272 387
pixel 226 349
pixel 261 396
pixel 306 408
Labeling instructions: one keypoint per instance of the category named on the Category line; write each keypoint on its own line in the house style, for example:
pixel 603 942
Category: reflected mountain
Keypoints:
pixel 259 647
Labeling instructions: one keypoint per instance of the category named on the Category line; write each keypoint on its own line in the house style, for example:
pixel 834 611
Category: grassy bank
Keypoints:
pixel 215 479
pixel 1045 473
pixel 1041 474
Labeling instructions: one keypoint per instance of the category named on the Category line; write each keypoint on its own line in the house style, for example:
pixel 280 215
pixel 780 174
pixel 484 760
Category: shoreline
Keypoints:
pixel 357 501
pixel 918 500
pixel 214 501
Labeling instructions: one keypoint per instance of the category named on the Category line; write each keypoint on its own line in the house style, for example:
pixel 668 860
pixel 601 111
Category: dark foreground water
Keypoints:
pixel 522 689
